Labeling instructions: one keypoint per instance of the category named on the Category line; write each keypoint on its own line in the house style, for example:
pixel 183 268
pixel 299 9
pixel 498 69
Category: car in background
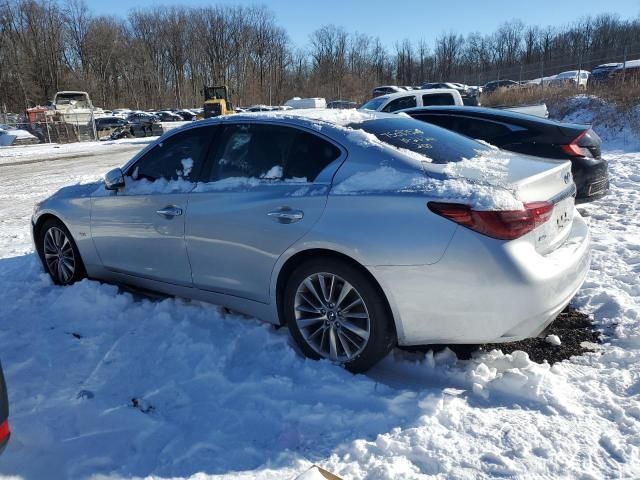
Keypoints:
pixel 5 431
pixel 121 112
pixel 494 85
pixel 342 104
pixel 186 115
pixel 141 124
pixel 166 116
pixel 627 72
pixel 106 123
pixel 11 136
pixel 571 78
pixel 259 108
pixel 530 135
pixel 601 74
pixel 387 89
pixel 469 96
pixel 415 98
pixel 352 230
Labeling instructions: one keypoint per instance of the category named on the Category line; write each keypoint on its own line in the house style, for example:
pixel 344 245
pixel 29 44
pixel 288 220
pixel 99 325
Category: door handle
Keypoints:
pixel 170 211
pixel 286 215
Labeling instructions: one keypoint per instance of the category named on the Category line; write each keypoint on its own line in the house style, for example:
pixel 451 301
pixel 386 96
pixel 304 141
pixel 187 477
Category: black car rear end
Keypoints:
pixel 4 413
pixel 530 135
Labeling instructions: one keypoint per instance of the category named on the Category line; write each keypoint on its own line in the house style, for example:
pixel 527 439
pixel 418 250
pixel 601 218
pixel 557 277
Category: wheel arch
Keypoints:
pixel 37 228
pixel 314 253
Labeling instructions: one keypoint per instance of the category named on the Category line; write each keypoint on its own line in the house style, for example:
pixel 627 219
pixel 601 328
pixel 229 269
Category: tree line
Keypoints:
pixel 162 57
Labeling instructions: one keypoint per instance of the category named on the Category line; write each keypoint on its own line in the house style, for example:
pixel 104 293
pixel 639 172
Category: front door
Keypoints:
pixel 139 230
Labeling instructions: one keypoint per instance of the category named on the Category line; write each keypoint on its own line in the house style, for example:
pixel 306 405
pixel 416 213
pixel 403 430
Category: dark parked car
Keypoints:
pixel 628 73
pixel 143 125
pixel 601 74
pixel 531 135
pixel 494 85
pixel 186 115
pixel 166 116
pixel 105 123
pixel 4 413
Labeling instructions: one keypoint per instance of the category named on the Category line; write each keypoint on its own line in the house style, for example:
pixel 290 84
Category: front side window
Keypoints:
pixel 481 129
pixel 178 156
pixel 400 104
pixel 269 152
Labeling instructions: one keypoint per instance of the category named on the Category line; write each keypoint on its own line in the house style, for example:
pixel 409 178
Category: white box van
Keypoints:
pixel 414 98
pixel 297 102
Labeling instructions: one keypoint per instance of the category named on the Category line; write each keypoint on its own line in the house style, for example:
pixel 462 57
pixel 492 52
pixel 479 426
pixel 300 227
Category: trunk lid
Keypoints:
pixel 533 179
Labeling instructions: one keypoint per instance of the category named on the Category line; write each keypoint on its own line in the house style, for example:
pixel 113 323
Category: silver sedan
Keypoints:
pixel 357 230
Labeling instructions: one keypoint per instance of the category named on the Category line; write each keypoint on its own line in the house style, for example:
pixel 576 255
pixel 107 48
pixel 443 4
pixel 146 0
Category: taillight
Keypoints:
pixel 503 225
pixel 4 430
pixel 574 149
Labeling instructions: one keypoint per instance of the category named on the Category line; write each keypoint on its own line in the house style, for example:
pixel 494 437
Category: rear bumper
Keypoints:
pixel 592 179
pixel 485 291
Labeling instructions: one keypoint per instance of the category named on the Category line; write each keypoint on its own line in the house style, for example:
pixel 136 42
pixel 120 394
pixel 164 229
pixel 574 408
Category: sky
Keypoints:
pixel 392 21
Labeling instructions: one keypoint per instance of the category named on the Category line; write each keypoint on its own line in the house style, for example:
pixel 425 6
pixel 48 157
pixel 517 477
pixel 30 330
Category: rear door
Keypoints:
pixel 263 188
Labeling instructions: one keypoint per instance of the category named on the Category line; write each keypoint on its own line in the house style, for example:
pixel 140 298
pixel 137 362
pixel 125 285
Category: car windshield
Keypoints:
pixel 373 104
pixel 568 74
pixel 435 143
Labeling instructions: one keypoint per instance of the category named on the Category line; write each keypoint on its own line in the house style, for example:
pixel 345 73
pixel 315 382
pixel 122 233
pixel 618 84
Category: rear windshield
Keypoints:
pixel 438 144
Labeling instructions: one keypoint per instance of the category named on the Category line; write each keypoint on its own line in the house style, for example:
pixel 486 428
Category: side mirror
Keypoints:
pixel 114 179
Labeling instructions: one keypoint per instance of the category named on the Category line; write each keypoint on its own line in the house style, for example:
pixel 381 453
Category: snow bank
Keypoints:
pixel 620 130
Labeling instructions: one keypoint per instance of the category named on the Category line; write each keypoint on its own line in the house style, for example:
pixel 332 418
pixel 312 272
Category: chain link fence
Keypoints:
pixel 45 126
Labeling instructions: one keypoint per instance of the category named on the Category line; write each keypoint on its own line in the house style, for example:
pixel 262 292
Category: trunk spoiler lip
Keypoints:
pixel 566 193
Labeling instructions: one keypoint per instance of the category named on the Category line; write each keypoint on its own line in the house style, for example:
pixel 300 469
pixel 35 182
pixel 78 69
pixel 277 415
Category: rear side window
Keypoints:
pixel 400 104
pixel 309 155
pixel 477 128
pixel 270 152
pixel 438 99
pixel 179 156
pixel 438 144
pixel 444 121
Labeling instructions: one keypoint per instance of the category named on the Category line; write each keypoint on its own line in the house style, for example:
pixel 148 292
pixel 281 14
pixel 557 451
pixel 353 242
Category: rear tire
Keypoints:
pixel 59 253
pixel 334 311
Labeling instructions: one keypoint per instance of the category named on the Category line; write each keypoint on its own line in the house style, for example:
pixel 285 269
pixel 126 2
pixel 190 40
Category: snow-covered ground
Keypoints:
pixel 104 384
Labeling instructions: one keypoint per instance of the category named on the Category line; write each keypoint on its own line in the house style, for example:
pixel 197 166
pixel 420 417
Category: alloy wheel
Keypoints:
pixel 332 317
pixel 58 254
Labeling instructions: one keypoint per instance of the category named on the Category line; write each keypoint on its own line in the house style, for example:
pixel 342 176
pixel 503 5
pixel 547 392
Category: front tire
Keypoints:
pixel 334 311
pixel 59 253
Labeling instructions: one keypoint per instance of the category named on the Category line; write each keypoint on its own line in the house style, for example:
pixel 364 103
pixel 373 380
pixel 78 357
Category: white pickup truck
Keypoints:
pixel 394 102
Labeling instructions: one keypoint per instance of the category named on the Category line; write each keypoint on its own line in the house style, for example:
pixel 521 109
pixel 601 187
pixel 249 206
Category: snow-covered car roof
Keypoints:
pixel 335 116
pixel 430 91
pixel 571 73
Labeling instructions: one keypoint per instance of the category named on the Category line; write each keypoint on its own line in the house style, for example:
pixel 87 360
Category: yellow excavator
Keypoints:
pixel 216 101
